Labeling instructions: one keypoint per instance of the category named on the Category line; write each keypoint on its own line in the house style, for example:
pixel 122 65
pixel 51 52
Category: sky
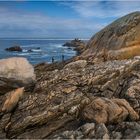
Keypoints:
pixel 60 19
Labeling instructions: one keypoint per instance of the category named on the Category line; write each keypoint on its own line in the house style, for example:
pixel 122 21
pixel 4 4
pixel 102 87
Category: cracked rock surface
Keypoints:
pixel 95 101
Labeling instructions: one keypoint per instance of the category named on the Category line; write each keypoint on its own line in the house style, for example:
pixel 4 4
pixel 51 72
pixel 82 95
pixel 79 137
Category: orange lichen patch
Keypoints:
pixel 12 99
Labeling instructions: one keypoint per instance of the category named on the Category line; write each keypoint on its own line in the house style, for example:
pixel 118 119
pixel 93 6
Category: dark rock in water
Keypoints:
pixel 73 43
pixel 14 48
pixel 30 50
pixel 77 44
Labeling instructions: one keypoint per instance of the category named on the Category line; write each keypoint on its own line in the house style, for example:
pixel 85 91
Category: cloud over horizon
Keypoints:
pixel 60 19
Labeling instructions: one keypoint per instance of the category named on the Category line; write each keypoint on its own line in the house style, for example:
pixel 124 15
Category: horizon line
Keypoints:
pixel 24 38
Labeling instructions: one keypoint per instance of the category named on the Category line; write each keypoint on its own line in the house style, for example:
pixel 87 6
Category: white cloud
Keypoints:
pixel 19 23
pixel 93 15
pixel 103 9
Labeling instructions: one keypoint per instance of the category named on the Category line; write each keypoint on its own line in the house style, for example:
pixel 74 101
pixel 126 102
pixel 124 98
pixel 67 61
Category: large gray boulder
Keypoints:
pixel 15 72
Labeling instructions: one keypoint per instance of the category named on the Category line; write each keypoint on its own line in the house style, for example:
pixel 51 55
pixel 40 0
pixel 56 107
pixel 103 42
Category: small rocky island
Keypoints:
pixel 77 44
pixel 95 95
pixel 16 48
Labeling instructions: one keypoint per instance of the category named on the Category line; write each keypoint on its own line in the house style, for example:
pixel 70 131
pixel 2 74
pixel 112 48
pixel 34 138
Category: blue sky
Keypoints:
pixel 60 19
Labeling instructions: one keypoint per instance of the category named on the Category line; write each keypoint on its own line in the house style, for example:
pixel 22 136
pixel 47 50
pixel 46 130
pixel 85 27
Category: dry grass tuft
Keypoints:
pixel 124 53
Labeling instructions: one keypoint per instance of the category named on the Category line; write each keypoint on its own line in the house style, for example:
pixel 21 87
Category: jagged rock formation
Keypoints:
pixel 77 99
pixel 62 100
pixel 119 40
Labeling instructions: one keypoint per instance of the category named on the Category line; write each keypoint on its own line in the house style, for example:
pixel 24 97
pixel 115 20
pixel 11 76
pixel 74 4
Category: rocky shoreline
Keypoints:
pixel 95 95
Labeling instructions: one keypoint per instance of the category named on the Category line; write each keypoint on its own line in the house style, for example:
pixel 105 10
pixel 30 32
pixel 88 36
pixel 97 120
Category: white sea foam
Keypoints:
pixel 24 50
pixel 36 50
pixel 55 45
pixel 23 54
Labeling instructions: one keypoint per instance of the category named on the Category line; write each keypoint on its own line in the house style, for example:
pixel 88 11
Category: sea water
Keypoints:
pixel 42 50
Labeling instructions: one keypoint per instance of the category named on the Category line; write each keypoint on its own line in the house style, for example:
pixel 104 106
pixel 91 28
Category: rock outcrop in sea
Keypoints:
pixel 81 98
pixel 16 48
pixel 77 44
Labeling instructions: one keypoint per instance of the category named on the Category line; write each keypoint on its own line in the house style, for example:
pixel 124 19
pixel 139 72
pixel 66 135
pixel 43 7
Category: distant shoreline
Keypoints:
pixel 40 39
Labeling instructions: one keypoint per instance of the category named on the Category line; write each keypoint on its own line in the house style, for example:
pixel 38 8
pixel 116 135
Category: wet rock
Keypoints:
pixel 30 50
pixel 14 48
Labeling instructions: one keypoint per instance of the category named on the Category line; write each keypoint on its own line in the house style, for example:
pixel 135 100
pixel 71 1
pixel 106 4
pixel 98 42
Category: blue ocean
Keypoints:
pixel 48 48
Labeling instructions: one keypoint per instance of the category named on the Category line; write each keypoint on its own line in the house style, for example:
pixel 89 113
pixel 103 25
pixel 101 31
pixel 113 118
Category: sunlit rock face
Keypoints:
pixel 15 72
pixel 12 100
pixel 122 33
